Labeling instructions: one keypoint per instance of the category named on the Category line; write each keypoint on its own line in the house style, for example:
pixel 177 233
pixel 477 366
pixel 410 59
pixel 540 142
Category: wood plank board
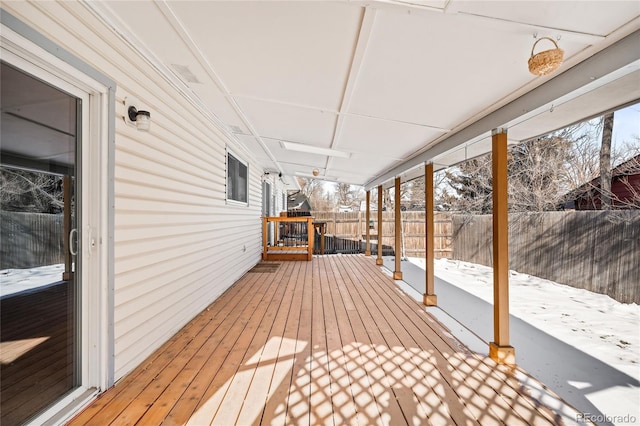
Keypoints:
pixel 36 350
pixel 332 341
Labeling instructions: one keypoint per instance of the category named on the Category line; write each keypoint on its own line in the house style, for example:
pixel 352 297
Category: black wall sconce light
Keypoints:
pixel 141 119
pixel 134 117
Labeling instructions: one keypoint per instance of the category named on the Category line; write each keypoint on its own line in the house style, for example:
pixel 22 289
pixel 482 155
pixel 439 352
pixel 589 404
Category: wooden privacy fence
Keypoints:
pixel 29 240
pixel 346 232
pixel 595 250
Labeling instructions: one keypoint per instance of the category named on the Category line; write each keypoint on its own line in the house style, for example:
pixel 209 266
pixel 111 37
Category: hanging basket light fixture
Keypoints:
pixel 547 61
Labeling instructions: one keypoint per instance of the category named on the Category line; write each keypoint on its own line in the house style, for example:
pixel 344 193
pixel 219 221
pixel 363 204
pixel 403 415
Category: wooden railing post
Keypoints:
pixel 265 235
pixel 311 237
pixel 292 244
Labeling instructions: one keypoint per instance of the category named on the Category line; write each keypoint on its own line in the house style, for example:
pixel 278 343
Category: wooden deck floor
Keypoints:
pixel 36 350
pixel 332 341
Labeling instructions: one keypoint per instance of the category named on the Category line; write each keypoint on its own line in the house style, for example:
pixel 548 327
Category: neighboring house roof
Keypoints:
pixel 297 200
pixel 630 167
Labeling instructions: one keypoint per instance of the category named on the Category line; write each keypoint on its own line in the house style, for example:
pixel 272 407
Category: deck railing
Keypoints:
pixel 287 238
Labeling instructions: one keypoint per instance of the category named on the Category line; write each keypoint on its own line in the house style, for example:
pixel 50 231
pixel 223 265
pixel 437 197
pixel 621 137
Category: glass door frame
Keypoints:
pixel 29 51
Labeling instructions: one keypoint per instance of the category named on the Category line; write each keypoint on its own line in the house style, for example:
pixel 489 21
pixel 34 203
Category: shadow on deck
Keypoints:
pixel 331 341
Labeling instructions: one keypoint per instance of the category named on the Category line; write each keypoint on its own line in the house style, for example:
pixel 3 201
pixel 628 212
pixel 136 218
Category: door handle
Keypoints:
pixel 72 250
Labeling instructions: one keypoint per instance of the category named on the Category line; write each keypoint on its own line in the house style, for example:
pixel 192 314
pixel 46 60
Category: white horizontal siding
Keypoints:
pixel 178 244
pixel 278 188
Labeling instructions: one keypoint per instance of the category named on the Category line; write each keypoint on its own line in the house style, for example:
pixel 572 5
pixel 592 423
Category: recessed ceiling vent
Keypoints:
pixel 185 73
pixel 235 129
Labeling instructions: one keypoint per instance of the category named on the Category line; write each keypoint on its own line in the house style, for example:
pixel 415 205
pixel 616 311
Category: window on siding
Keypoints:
pixel 237 182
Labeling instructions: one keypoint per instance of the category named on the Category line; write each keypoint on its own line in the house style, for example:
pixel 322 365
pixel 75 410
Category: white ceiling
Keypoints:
pixel 38 123
pixel 387 81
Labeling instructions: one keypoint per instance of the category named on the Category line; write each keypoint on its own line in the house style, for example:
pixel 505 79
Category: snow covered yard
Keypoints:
pixel 592 323
pixel 14 281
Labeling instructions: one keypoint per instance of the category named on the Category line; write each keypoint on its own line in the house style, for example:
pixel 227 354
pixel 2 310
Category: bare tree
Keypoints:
pixel 536 176
pixel 471 181
pixel 416 193
pixel 582 164
pixel 310 187
pixel 583 168
pixel 605 162
pixel 314 191
pixel 27 191
pixel 417 187
pixel 626 174
pixel 349 195
pixel 389 195
pixel 625 177
pixel 535 172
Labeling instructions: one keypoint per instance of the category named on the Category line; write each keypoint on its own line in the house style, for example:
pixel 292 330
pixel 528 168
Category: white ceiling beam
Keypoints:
pixel 619 55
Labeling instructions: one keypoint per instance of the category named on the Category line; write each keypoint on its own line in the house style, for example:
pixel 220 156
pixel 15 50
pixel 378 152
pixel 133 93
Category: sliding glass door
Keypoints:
pixel 40 288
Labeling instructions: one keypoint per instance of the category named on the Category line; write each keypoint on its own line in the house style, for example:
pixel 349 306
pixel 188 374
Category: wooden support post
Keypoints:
pixel 429 297
pixel 367 249
pixel 67 223
pixel 379 259
pixel 397 274
pixel 499 349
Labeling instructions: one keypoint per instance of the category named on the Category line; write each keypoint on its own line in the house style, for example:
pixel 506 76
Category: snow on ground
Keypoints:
pixel 594 323
pixel 14 281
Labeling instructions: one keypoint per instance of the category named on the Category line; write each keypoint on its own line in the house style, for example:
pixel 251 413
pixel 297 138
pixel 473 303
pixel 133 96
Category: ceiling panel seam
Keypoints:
pixel 200 57
pixel 364 35
pixel 114 23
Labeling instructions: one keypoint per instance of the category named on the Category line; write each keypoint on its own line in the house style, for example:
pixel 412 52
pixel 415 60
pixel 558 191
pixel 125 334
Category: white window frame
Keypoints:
pixel 240 160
